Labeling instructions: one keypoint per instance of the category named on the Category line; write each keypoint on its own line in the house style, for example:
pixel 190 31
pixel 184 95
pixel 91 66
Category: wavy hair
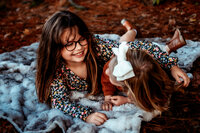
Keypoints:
pixel 49 52
pixel 151 87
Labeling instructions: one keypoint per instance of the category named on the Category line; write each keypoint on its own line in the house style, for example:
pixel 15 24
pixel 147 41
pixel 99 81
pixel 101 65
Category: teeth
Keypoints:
pixel 79 53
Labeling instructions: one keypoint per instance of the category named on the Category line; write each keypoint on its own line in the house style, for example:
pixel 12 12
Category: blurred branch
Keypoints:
pixel 36 3
pixel 152 2
pixel 72 3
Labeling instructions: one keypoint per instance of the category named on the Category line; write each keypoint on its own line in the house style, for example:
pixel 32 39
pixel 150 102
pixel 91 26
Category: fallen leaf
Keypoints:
pixel 26 32
pixel 6 35
pixel 192 20
pixel 172 22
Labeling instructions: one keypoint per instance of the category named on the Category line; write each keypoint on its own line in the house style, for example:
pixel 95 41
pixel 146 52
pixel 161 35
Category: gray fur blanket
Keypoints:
pixel 19 104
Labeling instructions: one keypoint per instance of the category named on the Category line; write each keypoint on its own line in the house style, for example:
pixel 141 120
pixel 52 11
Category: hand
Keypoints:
pixel 96 118
pixel 119 100
pixel 177 73
pixel 107 106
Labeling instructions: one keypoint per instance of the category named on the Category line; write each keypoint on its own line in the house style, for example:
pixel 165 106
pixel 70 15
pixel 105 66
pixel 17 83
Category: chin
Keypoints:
pixel 79 59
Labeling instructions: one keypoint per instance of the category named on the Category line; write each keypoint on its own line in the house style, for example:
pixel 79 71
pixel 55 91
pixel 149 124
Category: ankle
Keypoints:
pixel 135 31
pixel 126 24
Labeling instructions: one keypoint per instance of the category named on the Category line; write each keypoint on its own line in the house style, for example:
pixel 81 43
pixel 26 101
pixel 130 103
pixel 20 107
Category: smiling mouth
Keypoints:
pixel 79 53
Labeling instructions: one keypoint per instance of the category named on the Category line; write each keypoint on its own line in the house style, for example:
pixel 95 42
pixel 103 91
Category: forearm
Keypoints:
pixel 70 108
pixel 160 56
pixel 126 100
pixel 60 100
pixel 105 47
pixel 129 100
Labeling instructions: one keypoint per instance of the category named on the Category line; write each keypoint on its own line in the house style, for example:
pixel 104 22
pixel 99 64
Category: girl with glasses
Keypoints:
pixel 70 59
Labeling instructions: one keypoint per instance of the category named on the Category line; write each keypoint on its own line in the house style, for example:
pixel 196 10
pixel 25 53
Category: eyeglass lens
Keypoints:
pixel 72 45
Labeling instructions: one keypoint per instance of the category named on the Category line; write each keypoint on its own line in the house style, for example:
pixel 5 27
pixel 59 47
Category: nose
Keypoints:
pixel 78 45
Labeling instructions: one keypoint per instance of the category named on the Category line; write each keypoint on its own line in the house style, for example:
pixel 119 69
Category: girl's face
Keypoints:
pixel 76 46
pixel 112 80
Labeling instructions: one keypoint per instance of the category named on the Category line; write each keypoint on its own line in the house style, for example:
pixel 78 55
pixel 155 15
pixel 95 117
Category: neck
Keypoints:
pixel 79 69
pixel 75 64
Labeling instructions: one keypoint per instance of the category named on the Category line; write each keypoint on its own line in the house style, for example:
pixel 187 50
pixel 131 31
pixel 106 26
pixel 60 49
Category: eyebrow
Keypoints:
pixel 76 41
pixel 74 34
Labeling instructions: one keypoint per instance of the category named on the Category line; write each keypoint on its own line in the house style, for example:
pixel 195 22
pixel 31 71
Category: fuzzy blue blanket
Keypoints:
pixel 19 104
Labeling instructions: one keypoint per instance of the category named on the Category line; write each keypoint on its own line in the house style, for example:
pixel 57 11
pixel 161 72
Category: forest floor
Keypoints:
pixel 21 22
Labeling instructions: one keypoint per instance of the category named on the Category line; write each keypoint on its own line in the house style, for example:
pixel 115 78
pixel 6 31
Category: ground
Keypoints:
pixel 21 22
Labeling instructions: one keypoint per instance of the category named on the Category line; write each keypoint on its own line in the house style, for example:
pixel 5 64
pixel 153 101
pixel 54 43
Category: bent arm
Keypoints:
pixel 160 56
pixel 107 87
pixel 106 45
pixel 60 100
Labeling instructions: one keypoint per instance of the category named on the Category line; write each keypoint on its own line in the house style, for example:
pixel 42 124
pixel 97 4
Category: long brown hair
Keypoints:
pixel 151 87
pixel 49 52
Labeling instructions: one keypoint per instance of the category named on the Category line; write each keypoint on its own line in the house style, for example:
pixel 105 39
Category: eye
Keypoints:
pixel 69 43
pixel 82 39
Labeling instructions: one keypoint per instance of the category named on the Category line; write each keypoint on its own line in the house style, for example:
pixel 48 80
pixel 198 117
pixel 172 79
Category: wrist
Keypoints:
pixel 129 100
pixel 107 98
pixel 173 67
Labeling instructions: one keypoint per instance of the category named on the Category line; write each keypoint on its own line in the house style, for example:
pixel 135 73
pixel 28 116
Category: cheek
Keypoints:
pixel 107 72
pixel 86 48
pixel 113 81
pixel 65 54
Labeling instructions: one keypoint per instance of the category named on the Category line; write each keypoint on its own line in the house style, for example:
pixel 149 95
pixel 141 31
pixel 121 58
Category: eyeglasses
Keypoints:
pixel 71 45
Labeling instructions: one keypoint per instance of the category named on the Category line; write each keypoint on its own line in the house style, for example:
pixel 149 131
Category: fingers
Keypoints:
pixel 176 77
pixel 100 118
pixel 115 102
pixel 96 118
pixel 114 98
pixel 98 121
pixel 177 73
pixel 107 106
pixel 186 80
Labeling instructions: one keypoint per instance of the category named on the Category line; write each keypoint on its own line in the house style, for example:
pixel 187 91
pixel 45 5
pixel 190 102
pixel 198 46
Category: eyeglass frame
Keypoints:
pixel 81 39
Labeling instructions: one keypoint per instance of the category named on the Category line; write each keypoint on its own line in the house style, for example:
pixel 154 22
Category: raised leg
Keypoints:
pixel 176 42
pixel 131 32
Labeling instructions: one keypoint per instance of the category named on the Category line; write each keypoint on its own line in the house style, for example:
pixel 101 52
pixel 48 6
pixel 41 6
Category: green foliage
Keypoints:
pixel 157 2
pixel 35 3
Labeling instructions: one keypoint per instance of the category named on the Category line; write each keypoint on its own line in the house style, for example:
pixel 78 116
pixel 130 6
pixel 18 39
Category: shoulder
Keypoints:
pixel 104 39
pixel 60 74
